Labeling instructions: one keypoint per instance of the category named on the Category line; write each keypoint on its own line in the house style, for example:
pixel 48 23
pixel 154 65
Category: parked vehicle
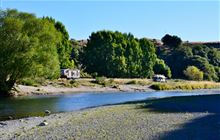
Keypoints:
pixel 70 74
pixel 159 78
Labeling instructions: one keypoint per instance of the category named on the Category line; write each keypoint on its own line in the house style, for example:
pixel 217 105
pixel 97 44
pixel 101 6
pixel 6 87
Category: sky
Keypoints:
pixel 197 20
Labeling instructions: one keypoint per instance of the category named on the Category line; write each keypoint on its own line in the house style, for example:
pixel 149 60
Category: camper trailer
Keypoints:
pixel 70 74
pixel 159 78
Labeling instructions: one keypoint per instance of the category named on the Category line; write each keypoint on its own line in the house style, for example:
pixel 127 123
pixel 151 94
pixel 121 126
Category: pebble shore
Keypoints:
pixel 109 122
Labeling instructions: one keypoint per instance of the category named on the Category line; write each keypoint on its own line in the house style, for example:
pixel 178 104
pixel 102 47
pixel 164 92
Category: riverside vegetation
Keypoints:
pixel 121 84
pixel 33 50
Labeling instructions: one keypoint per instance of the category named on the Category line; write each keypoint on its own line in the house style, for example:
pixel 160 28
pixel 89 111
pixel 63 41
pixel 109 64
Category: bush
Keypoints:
pixel 161 68
pixel 193 73
pixel 161 87
pixel 100 80
pixel 74 83
pixel 28 82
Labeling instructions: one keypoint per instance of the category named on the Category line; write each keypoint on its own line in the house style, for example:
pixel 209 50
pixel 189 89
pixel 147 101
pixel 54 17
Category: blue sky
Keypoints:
pixel 190 20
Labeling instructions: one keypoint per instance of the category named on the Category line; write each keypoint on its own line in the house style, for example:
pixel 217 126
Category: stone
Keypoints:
pixel 1 123
pixel 21 120
pixel 47 112
pixel 44 123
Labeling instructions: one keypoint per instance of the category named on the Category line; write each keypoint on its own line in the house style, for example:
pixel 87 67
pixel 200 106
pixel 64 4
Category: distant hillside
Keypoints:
pixel 159 43
pixel 209 44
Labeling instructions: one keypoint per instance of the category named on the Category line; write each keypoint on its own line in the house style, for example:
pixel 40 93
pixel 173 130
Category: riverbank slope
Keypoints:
pixel 109 85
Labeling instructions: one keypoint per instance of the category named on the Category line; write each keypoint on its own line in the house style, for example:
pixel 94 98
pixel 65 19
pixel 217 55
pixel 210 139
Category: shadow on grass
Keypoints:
pixel 204 128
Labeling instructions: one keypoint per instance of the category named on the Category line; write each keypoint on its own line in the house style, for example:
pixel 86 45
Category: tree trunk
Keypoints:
pixel 5 88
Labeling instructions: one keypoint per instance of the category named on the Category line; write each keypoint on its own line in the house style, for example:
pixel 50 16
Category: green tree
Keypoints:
pixel 217 70
pixel 193 73
pixel 28 48
pixel 114 54
pixel 161 68
pixel 64 47
pixel 177 60
pixel 171 41
pixel 214 57
pixel 203 64
pixel 200 50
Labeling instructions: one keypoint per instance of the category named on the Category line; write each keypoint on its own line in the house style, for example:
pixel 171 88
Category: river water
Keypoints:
pixel 36 105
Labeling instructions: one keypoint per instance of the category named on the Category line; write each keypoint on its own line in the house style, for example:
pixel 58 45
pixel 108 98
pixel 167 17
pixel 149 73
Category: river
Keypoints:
pixel 36 105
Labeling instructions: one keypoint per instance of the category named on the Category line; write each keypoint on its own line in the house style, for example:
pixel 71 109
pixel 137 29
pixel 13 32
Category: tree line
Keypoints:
pixel 179 56
pixel 33 47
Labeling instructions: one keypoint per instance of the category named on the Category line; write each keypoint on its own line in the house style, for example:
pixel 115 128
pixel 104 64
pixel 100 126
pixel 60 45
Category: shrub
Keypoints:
pixel 161 68
pixel 28 82
pixel 74 83
pixel 161 87
pixel 100 80
pixel 193 73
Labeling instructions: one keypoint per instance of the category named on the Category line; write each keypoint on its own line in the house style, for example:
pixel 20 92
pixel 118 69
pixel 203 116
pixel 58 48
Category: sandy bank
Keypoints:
pixel 51 90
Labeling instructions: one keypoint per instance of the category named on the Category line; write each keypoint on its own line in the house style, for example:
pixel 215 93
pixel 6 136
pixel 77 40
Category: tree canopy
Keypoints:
pixel 28 48
pixel 171 41
pixel 64 47
pixel 203 57
pixel 161 68
pixel 114 54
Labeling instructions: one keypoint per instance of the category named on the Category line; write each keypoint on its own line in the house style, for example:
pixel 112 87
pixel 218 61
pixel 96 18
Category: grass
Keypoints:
pixel 142 82
pixel 175 84
pixel 185 85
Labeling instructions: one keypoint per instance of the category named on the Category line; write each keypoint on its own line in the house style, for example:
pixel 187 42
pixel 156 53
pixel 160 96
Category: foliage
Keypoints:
pixel 101 80
pixel 28 48
pixel 178 60
pixel 114 54
pixel 213 56
pixel 217 70
pixel 193 73
pixel 203 64
pixel 171 41
pixel 28 82
pixel 64 47
pixel 200 50
pixel 207 59
pixel 161 68
pixel 77 53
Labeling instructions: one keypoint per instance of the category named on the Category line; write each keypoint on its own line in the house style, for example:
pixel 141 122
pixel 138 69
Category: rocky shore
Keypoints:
pixel 128 121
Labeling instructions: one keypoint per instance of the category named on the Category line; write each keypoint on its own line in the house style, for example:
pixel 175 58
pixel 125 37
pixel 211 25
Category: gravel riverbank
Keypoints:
pixel 129 121
pixel 51 90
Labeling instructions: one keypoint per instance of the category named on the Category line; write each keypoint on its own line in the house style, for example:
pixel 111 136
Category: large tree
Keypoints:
pixel 171 41
pixel 114 54
pixel 28 48
pixel 64 47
